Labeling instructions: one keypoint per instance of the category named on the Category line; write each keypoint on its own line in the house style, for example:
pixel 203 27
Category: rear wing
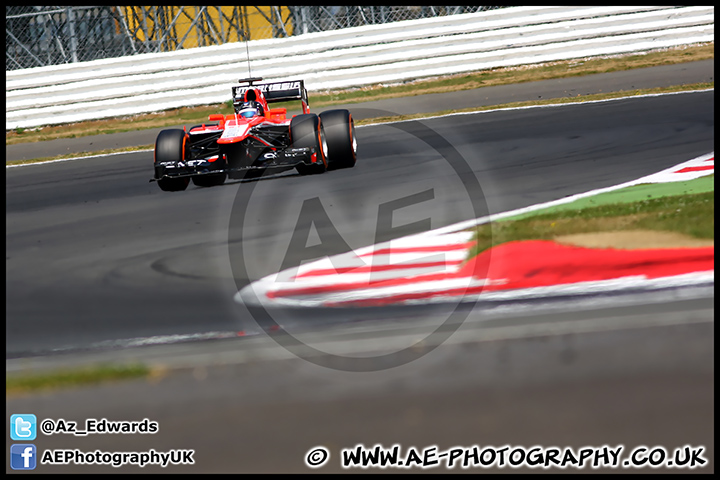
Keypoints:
pixel 275 91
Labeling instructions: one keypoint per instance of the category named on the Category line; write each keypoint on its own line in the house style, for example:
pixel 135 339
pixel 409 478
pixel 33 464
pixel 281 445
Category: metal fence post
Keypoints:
pixel 73 38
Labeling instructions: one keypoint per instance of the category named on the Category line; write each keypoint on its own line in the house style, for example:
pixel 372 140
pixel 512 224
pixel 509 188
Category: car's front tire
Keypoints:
pixel 209 180
pixel 170 147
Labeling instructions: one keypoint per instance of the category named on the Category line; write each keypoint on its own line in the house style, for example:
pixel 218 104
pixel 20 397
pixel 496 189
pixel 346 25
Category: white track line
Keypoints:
pixel 73 159
pixel 552 105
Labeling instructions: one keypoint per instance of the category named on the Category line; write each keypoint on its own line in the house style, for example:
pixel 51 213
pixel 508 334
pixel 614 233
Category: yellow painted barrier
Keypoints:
pixel 182 27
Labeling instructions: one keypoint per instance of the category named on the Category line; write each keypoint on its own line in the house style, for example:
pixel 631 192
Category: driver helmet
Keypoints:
pixel 249 109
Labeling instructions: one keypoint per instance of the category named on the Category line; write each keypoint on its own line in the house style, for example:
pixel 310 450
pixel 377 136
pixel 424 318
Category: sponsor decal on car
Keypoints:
pixel 269 87
pixel 235 131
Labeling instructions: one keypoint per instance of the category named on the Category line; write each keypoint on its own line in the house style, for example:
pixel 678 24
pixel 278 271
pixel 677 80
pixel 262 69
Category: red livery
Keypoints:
pixel 255 138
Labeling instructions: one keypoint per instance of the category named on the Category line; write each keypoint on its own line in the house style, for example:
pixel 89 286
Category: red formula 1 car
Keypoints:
pixel 255 138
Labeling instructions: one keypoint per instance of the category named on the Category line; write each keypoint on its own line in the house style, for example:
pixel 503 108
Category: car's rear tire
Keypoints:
pixel 340 137
pixel 306 132
pixel 170 147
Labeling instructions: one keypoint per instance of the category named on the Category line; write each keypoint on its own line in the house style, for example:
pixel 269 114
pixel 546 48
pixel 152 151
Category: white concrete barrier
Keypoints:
pixel 352 57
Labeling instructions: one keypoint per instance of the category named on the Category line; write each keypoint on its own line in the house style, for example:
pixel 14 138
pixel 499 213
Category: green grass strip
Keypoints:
pixel 24 382
pixel 635 193
pixel 692 215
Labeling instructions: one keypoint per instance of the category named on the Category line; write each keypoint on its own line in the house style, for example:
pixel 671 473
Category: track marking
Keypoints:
pixel 425 266
pixel 73 158
pixel 648 95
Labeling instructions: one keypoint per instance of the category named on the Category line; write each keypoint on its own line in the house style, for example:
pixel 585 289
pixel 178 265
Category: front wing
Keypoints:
pixel 288 158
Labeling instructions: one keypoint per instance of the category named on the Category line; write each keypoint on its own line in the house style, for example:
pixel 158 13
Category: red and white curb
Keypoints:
pixel 430 267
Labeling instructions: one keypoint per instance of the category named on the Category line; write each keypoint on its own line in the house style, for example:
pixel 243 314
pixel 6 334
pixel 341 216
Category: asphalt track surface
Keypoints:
pixel 95 255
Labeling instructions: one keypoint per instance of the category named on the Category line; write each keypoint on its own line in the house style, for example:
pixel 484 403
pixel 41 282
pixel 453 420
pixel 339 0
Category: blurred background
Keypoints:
pixel 38 36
